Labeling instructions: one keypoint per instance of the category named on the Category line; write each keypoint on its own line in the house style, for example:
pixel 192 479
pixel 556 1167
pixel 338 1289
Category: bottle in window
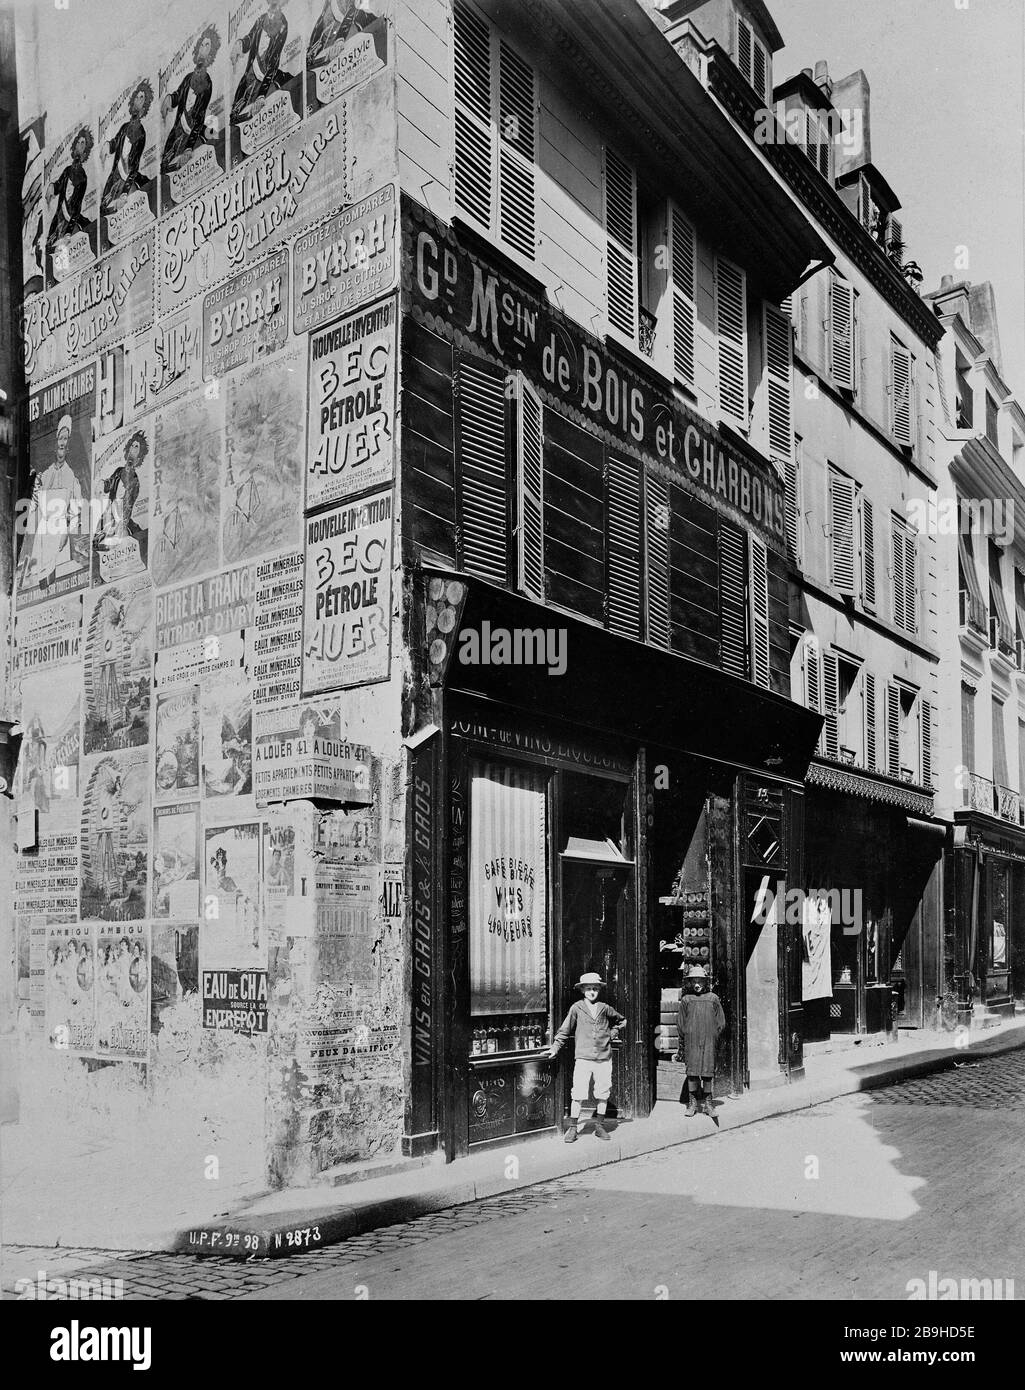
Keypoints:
pixel 475 1048
pixel 492 1039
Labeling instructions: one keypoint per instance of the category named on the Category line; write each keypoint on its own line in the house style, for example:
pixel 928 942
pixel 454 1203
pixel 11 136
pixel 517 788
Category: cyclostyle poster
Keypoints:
pixel 70 202
pixel 123 971
pixel 192 114
pixel 115 835
pixel 266 47
pixel 122 487
pixel 348 43
pixel 117 670
pixel 128 162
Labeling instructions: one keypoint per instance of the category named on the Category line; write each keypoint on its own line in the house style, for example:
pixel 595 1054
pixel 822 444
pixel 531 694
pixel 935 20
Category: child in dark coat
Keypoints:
pixel 701 1021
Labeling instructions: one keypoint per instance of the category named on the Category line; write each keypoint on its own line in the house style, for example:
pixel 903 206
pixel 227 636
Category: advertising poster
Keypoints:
pixel 71 986
pixel 123 990
pixel 266 52
pixel 122 485
pixel 188 442
pixel 32 962
pixel 33 149
pixel 392 894
pixel 347 44
pixel 48 636
pixel 227 739
pixel 233 947
pixel 247 317
pixel 192 115
pixel 48 764
pixel 70 201
pixel 193 249
pixel 128 163
pixel 165 986
pixel 261 488
pixel 347 603
pixel 46 881
pixel 349 260
pixel 115 835
pixel 351 425
pixel 175 887
pixel 280 910
pixel 301 754
pixel 163 363
pixel 177 737
pixel 110 392
pixel 274 657
pixel 117 670
pixel 199 626
pixel 54 523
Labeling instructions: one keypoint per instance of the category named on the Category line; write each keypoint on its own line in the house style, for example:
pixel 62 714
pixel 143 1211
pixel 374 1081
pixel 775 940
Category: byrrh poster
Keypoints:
pixel 266 51
pixel 115 835
pixel 128 162
pixel 192 113
pixel 117 670
pixel 123 969
pixel 70 986
pixel 122 487
pixel 347 601
pixel 351 426
pixel 233 944
pixel 349 260
pixel 70 201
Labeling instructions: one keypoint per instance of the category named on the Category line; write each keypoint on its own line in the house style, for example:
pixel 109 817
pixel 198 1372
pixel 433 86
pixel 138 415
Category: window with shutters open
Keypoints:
pixel 925 735
pixel 866 513
pixel 842 331
pixel 778 340
pixel 656 550
pixel 842 499
pixel 812 674
pixel 495 133
pixel 731 337
pixel 625 544
pixel 892 730
pixel 829 744
pixel 752 58
pixel 480 393
pixel 683 270
pixel 792 501
pixel 621 244
pixel 733 606
pixel 902 366
pixel 758 592
pixel 530 556
pixel 904 546
pixel 871 751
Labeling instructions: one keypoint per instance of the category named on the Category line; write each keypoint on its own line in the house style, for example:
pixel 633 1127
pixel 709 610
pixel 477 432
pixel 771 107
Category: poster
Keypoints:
pixel 347 603
pixel 71 203
pixel 392 899
pixel 163 363
pixel 351 425
pixel 31 969
pixel 117 670
pixel 33 149
pixel 46 881
pixel 48 764
pixel 227 738
pixel 188 442
pixel 175 884
pixel 233 944
pixel 302 753
pixel 128 163
pixel 115 835
pixel 349 260
pixel 54 522
pixel 192 115
pixel 347 44
pixel 70 988
pixel 246 318
pixel 122 487
pixel 281 911
pixel 275 650
pixel 199 626
pixel 48 636
pixel 816 959
pixel 176 770
pixel 267 53
pixel 261 488
pixel 123 960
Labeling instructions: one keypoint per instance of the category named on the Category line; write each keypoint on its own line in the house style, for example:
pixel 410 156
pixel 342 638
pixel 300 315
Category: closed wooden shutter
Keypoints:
pixel 841 532
pixel 745 47
pixel 910 581
pixel 760 73
pixel 926 731
pixel 483 474
pixel 530 489
pixel 731 335
pixel 792 502
pixel 968 728
pixel 621 243
pixel 868 553
pixel 625 545
pixel 999 745
pixel 895 237
pixel 759 611
pixel 899 582
pixel 831 704
pixel 778 338
pixel 901 366
pixel 656 505
pixel 812 676
pixel 683 261
pixel 825 146
pixel 517 129
pixel 474 133
pixel 732 604
pixel 841 332
pixel 870 721
pixel 893 730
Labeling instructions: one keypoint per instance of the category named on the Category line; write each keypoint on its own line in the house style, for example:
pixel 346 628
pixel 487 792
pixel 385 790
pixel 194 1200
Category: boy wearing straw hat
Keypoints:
pixel 592 1025
pixel 701 1021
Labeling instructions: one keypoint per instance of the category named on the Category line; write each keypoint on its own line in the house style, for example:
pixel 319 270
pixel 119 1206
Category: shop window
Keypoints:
pixel 998 917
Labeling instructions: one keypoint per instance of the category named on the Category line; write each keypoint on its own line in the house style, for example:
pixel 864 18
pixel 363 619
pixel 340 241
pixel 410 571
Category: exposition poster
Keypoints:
pixel 352 373
pixel 33 149
pixel 188 443
pixel 192 114
pixel 128 163
pixel 347 44
pixel 123 967
pixel 54 523
pixel 115 835
pixel 274 656
pixel 199 627
pixel 266 48
pixel 302 754
pixel 122 486
pixel 176 869
pixel 233 944
pixel 70 987
pixel 48 635
pixel 117 670
pixel 70 202
pixel 176 771
pixel 347 603
pixel 348 260
pixel 227 723
pixel 48 766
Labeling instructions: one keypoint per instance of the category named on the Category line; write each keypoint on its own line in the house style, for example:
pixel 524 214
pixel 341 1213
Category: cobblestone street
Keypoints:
pixel 848 1200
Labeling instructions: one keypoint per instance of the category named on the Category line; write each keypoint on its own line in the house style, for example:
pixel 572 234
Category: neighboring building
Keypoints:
pixel 981 744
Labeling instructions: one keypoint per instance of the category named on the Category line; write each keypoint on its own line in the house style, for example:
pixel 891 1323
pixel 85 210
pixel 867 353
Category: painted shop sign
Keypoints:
pixel 456 292
pixel 247 317
pixel 349 260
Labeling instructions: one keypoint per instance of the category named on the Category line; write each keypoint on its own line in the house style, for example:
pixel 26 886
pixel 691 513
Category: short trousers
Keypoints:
pixel 584 1072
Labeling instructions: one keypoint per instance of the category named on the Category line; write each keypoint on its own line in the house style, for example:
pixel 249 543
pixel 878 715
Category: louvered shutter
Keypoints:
pixel 926 731
pixel 483 476
pixel 759 611
pixel 899 609
pixel 910 582
pixel 621 243
pixel 760 70
pixel 517 127
pixel 778 338
pixel 841 532
pixel 683 261
pixel 792 502
pixel 530 489
pixel 474 133
pixel 731 333
pixel 841 332
pixel 732 605
pixel 812 676
pixel 900 383
pixel 868 553
pixel 624 484
pixel 892 730
pixel 941 384
pixel 895 236
pixel 824 149
pixel 830 705
pixel 656 495
pixel 870 721
pixel 745 45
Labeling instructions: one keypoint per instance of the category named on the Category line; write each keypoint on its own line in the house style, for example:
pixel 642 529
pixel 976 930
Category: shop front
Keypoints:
pixel 984 960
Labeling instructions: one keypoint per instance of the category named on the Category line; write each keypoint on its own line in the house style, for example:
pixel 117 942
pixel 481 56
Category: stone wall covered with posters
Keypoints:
pixel 210 789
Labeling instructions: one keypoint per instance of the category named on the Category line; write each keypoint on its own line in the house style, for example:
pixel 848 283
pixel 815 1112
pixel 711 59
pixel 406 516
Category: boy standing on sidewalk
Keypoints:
pixel 592 1026
pixel 701 1020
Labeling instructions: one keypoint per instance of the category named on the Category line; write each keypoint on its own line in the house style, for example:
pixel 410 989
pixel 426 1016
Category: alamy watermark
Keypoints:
pixel 518 646
pixel 940 1288
pixel 964 516
pixel 44 1287
pixel 793 906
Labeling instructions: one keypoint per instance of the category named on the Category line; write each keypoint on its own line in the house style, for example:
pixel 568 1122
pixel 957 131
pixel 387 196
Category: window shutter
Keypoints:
pixel 841 336
pixel 841 532
pixel 516 152
pixel 732 606
pixel 530 567
pixel 621 243
pixel 900 383
pixel 745 44
pixel 731 332
pixel 759 615
pixel 625 539
pixel 868 553
pixel 910 581
pixel 683 261
pixel 825 147
pixel 760 71
pixel 812 676
pixel 870 721
pixel 899 610
pixel 831 704
pixel 778 338
pixel 483 476
pixel 792 502
pixel 1000 776
pixel 474 135
pixel 656 494
pixel 895 236
pixel 893 730
pixel 926 719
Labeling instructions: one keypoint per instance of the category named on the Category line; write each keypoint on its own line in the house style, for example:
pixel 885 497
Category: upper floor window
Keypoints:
pixel 621 240
pixel 843 358
pixel 904 546
pixel 992 421
pixel 852 563
pixel 908 734
pixel 752 57
pixel 818 142
pixel 964 403
pixel 902 393
pixel 496 111
pixel 731 339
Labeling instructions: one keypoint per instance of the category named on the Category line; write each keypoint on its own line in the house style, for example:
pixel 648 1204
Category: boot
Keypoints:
pixel 570 1136
pixel 692 1105
pixel 707 1106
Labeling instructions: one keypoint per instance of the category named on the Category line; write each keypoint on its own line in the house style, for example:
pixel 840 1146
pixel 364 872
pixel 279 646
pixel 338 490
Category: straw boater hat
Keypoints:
pixel 591 978
pixel 696 972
